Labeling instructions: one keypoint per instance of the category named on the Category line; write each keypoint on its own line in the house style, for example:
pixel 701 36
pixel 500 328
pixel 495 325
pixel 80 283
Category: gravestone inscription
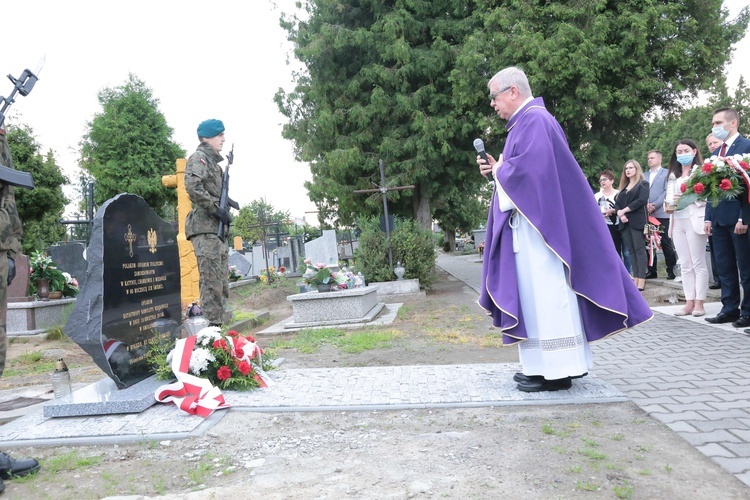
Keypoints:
pixel 130 293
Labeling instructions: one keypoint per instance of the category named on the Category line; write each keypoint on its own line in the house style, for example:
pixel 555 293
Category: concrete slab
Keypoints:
pixel 386 317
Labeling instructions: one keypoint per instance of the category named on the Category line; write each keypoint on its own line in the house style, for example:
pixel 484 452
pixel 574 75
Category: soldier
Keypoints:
pixel 11 231
pixel 203 178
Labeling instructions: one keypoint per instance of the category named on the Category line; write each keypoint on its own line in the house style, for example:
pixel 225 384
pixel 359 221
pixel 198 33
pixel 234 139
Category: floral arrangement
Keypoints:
pixel 227 360
pixel 234 274
pixel 70 289
pixel 273 272
pixel 719 178
pixel 317 274
pixel 43 268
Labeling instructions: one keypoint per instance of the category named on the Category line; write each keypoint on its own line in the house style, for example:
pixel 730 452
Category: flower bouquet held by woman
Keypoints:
pixel 719 178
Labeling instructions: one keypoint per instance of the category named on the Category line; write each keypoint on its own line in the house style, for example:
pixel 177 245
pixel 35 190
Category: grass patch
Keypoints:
pixel 590 443
pixel 29 363
pixel 618 437
pixel 624 490
pixel 69 461
pixel 592 454
pixel 575 469
pixel 586 486
pixel 404 311
pixel 547 428
pixel 311 340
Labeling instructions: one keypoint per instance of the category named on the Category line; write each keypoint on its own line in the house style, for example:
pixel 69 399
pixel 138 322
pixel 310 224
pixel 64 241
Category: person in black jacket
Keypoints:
pixel 631 211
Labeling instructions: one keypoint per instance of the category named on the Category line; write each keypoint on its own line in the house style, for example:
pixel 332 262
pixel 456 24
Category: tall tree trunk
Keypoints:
pixel 450 238
pixel 422 206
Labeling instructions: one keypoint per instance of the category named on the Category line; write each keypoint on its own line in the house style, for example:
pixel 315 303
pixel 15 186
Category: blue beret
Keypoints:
pixel 210 128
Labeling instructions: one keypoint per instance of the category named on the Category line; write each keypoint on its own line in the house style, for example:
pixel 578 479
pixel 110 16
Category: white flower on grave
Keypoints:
pixel 199 360
pixel 208 335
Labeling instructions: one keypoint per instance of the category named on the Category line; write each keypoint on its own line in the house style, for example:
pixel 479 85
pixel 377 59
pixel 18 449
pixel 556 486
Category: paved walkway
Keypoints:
pixel 683 371
pixel 686 373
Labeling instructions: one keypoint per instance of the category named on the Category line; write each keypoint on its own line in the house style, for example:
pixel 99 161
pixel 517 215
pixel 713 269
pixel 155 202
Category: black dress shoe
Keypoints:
pixel 722 318
pixel 715 286
pixel 650 276
pixel 520 377
pixel 560 384
pixel 10 467
pixel 671 276
pixel 742 322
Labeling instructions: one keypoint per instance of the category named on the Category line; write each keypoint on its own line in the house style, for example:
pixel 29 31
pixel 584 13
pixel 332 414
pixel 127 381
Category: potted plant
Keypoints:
pixel 318 275
pixel 45 275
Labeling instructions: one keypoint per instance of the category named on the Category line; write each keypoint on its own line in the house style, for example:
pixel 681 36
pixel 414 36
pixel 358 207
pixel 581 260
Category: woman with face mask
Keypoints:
pixel 686 230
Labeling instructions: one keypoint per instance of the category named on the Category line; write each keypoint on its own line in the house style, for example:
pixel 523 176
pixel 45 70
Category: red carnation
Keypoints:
pixel 233 333
pixel 744 165
pixel 250 338
pixel 725 184
pixel 244 368
pixel 699 187
pixel 282 269
pixel 239 352
pixel 683 187
pixel 224 373
pixel 220 344
pixel 707 168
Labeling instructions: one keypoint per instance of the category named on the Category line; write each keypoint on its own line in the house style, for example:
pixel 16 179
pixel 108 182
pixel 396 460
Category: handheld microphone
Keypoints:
pixel 479 146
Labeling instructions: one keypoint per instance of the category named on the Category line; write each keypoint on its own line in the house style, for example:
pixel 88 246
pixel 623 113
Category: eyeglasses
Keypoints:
pixel 603 179
pixel 495 94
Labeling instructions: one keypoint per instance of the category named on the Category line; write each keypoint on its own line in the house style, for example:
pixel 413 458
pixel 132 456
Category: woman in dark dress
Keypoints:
pixel 631 211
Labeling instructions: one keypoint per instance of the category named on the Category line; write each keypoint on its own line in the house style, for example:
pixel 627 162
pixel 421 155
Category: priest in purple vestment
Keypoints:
pixel 552 280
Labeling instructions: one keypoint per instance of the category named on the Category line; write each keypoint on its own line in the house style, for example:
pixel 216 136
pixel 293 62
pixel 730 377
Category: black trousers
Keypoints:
pixel 733 263
pixel 667 247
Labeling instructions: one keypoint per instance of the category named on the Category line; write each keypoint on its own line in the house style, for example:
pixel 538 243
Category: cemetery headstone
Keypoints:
pixel 69 258
pixel 259 261
pixel 18 291
pixel 323 249
pixel 240 262
pixel 130 293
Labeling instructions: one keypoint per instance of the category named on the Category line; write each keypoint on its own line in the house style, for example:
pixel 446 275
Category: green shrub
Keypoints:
pixel 412 246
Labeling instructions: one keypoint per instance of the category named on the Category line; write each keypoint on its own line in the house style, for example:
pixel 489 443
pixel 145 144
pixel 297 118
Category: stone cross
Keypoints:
pixel 384 190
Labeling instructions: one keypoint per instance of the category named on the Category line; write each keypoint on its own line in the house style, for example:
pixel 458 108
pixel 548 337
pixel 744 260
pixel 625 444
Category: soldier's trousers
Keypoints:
pixel 3 309
pixel 213 267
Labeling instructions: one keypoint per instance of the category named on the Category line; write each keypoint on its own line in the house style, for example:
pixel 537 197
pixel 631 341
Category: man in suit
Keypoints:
pixel 727 225
pixel 657 180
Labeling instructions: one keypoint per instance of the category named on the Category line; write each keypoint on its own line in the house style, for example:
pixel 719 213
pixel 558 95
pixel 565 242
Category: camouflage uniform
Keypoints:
pixel 203 178
pixel 11 231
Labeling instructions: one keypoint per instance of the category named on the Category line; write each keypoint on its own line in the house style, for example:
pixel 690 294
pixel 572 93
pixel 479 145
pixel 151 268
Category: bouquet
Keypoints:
pixel 273 272
pixel 229 361
pixel 234 274
pixel 70 289
pixel 317 274
pixel 719 178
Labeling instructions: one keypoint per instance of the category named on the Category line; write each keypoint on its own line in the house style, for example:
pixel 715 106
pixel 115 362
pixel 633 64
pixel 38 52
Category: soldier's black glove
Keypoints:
pixel 11 270
pixel 222 215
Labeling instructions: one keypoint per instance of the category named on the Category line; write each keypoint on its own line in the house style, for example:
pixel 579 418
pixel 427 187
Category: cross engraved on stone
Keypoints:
pixel 130 238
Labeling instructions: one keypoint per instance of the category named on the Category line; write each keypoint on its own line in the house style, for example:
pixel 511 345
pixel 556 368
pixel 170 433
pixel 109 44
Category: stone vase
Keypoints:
pixel 42 289
pixel 324 288
pixel 399 271
pixel 55 295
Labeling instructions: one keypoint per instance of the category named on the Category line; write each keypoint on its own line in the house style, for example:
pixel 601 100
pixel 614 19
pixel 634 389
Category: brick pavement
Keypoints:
pixel 689 374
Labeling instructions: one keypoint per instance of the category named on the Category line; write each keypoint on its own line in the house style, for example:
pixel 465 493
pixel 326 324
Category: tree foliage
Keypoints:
pixel 405 81
pixel 128 146
pixel 259 212
pixel 40 208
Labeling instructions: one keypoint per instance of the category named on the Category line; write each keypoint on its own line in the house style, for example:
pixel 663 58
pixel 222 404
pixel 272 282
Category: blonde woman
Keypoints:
pixel 686 230
pixel 631 211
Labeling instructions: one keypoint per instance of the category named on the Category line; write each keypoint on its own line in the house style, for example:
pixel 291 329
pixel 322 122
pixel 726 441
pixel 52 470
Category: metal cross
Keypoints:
pixel 130 237
pixel 384 190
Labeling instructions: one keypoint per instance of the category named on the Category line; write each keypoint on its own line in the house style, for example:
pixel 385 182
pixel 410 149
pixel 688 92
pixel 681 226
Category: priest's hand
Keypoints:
pixel 484 167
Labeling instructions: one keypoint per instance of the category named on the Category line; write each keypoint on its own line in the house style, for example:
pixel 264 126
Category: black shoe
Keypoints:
pixel 742 322
pixel 670 275
pixel 650 276
pixel 10 467
pixel 723 318
pixel 715 286
pixel 2 486
pixel 560 384
pixel 746 331
pixel 580 376
pixel 520 377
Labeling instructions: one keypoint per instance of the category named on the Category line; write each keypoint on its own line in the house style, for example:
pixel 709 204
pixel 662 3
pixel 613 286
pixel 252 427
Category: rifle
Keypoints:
pixel 22 85
pixel 225 201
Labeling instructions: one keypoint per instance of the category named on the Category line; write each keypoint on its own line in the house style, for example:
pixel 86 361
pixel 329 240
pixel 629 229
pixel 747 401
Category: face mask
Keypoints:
pixel 685 159
pixel 720 132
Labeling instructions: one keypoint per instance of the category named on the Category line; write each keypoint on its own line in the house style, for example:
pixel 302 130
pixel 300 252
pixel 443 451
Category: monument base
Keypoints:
pixel 332 307
pixel 104 398
pixel 37 316
pixel 397 287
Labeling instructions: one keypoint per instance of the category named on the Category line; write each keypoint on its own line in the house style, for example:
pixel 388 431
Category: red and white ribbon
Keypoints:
pixel 191 394
pixel 251 350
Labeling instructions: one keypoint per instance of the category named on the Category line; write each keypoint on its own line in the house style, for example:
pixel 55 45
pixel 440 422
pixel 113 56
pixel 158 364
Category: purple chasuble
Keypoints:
pixel 548 188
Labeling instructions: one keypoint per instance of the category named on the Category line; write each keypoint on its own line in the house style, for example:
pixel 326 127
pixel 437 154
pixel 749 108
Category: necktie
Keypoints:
pixel 723 151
